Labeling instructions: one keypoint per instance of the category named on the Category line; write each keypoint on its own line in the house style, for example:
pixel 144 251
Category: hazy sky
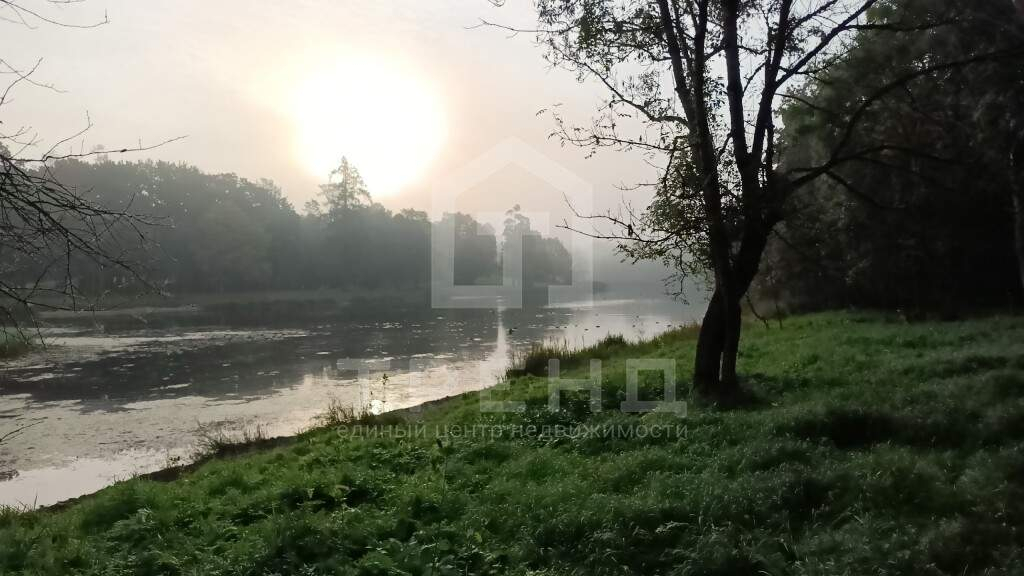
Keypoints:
pixel 280 90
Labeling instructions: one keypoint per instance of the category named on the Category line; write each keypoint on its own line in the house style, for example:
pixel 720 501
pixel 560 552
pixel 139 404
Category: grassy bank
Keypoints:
pixel 872 447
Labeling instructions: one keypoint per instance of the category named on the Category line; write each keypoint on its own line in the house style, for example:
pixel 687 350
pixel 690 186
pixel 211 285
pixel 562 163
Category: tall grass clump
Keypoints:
pixel 535 361
pixel 336 413
pixel 215 440
pixel 13 343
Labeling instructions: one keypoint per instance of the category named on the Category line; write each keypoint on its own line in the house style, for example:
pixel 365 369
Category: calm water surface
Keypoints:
pixel 111 403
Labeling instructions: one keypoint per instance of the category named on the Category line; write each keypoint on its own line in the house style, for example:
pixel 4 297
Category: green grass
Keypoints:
pixel 872 447
pixel 13 343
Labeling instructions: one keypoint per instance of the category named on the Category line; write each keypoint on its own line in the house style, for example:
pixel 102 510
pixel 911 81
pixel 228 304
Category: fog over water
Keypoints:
pixel 119 393
pixel 119 400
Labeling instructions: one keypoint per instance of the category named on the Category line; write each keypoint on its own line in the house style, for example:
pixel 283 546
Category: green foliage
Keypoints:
pixel 223 233
pixel 13 343
pixel 924 223
pixel 886 448
pixel 235 254
pixel 535 361
pixel 345 191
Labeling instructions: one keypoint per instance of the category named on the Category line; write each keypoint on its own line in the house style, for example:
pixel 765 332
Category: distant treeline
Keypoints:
pixel 222 233
pixel 926 226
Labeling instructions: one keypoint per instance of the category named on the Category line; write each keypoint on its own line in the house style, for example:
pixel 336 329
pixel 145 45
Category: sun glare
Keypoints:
pixel 385 119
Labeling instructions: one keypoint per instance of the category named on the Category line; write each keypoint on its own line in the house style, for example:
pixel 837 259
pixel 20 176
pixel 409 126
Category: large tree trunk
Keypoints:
pixel 710 343
pixel 729 385
pixel 1018 222
pixel 715 361
pixel 718 343
pixel 1017 193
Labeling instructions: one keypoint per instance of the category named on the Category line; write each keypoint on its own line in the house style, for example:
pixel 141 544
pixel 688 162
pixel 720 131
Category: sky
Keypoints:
pixel 406 89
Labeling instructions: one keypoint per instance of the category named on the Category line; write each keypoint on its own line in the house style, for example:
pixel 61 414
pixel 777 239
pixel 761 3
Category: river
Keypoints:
pixel 104 403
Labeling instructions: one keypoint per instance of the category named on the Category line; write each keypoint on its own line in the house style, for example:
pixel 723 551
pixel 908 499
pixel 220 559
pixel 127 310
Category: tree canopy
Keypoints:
pixel 698 85
pixel 926 226
pixel 223 233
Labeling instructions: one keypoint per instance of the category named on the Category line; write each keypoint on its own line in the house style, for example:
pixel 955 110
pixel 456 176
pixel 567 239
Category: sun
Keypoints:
pixel 383 117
